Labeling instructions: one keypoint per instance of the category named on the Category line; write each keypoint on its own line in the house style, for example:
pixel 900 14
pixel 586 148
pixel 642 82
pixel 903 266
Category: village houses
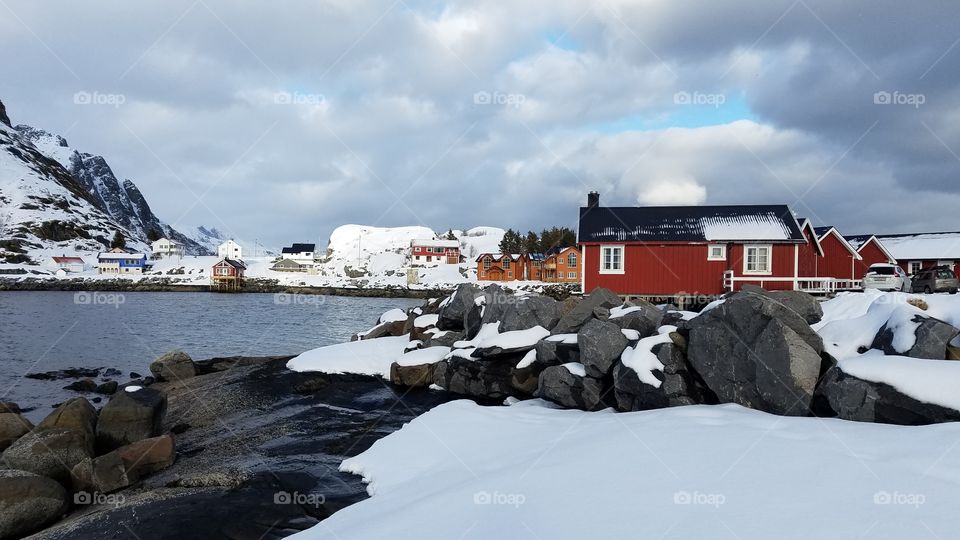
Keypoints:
pixel 164 247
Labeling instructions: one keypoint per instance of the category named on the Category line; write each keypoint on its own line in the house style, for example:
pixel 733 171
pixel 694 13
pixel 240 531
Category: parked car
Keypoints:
pixel 936 279
pixel 886 277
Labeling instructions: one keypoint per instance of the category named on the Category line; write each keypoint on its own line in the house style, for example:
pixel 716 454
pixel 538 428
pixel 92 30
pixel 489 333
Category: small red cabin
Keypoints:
pixel 433 252
pixel 840 259
pixel 693 250
pixel 227 275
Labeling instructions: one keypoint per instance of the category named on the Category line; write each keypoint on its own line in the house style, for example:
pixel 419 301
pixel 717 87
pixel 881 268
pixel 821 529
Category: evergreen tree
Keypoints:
pixel 118 240
pixel 512 242
pixel 531 244
pixel 450 235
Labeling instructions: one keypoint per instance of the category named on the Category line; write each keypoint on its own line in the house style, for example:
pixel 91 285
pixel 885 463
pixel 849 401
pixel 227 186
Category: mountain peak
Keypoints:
pixel 3 114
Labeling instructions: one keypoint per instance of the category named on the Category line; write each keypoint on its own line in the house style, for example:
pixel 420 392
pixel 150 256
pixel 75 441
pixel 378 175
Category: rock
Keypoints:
pixel 842 395
pixel 104 474
pixel 554 353
pixel 50 452
pixel 112 372
pixel 129 417
pixel 149 455
pixel 445 338
pixel 801 303
pixel 527 312
pixel 646 318
pixel 678 385
pixel 9 407
pixel 135 375
pixel 83 385
pixel 452 314
pixel 601 344
pixel 76 414
pixel 559 385
pixel 495 304
pixel 69 373
pixel 173 366
pixel 953 353
pixel 418 375
pixel 484 380
pixel 12 427
pixel 107 388
pixel 28 502
pixel 754 351
pixel 573 320
pixel 933 337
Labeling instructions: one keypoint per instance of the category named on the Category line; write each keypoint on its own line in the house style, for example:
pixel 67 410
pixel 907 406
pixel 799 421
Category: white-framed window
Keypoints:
pixel 572 260
pixel 506 264
pixel 571 275
pixel 915 267
pixel 758 259
pixel 716 252
pixel 487 263
pixel 611 259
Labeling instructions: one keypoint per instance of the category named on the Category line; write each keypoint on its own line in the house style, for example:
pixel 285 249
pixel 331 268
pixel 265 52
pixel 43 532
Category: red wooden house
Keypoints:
pixel 500 267
pixel 694 250
pixel 227 275
pixel 913 252
pixel 432 252
pixel 840 259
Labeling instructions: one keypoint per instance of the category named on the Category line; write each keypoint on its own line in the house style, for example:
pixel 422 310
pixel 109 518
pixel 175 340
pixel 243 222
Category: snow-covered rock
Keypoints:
pixel 366 357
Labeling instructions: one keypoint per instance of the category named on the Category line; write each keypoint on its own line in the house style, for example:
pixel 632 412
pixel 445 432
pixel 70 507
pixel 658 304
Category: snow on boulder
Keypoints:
pixel 416 368
pixel 367 357
pixel 912 334
pixel 394 315
pixel 891 389
pixel 655 374
pixel 455 308
pixel 601 344
pixel 508 343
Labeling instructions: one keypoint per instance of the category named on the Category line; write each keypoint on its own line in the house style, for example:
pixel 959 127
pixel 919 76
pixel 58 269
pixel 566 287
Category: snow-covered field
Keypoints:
pixel 529 471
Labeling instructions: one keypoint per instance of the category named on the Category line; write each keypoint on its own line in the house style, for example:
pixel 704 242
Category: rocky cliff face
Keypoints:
pixel 123 202
pixel 3 114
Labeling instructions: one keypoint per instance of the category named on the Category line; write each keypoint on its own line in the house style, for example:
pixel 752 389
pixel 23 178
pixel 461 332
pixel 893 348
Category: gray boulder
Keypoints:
pixel 754 351
pixel 418 375
pixel 12 427
pixel 646 318
pixel 483 380
pixel 76 414
pixel 933 338
pixel 28 502
pixel 173 366
pixel 801 303
pixel 577 316
pixel 842 395
pixel 678 386
pixel 452 314
pixel 530 311
pixel 446 339
pixel 104 474
pixel 559 385
pixel 130 417
pixel 601 344
pixel 50 452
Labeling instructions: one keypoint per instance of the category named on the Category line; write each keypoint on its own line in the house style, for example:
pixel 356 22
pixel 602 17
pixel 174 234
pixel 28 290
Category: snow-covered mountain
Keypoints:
pixel 123 202
pixel 211 237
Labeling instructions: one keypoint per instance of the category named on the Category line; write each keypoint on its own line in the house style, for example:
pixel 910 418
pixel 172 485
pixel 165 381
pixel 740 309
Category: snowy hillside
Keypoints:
pixel 43 209
pixel 210 238
pixel 121 201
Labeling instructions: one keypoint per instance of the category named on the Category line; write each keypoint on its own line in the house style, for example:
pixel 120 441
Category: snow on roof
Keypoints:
pixel 498 256
pixel 300 248
pixel 923 246
pixel 436 243
pixel 65 260
pixel 119 256
pixel 773 223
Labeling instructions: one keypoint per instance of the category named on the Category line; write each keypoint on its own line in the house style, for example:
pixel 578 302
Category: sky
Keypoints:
pixel 280 121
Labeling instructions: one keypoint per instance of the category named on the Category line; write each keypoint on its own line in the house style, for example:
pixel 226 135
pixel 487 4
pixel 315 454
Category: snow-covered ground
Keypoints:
pixel 529 471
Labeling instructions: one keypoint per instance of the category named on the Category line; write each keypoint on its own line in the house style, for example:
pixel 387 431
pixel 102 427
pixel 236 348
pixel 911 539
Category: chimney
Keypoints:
pixel 593 199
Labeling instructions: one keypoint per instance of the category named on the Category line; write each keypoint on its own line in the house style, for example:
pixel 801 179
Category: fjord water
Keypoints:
pixel 55 330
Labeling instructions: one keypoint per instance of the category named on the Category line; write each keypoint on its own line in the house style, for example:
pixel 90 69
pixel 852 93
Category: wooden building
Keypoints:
pixel 227 275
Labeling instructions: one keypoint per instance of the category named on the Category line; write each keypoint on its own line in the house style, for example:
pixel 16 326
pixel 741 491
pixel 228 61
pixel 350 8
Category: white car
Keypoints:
pixel 886 277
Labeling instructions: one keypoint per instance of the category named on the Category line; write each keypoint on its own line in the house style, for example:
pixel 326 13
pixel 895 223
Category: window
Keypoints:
pixel 572 260
pixel 717 252
pixel 757 260
pixel 506 264
pixel 571 275
pixel 510 275
pixel 915 267
pixel 487 263
pixel 611 260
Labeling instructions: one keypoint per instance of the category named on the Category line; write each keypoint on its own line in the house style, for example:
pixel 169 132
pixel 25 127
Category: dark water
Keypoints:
pixel 48 331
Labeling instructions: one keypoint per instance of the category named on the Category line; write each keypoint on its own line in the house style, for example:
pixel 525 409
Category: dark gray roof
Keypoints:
pixel 299 248
pixel 744 223
pixel 822 230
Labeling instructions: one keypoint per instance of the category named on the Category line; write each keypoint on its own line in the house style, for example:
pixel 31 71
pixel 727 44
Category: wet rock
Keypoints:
pixel 129 417
pixel 9 407
pixel 12 427
pixel 173 366
pixel 28 502
pixel 69 373
pixel 83 385
pixel 107 388
pixel 112 372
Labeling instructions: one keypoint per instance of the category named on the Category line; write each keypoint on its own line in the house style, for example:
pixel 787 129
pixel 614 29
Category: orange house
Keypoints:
pixel 500 267
pixel 563 265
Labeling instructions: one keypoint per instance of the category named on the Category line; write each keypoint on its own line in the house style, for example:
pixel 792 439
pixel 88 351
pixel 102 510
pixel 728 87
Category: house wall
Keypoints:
pixel 562 272
pixel 670 269
pixel 498 271
pixel 930 263
pixel 837 261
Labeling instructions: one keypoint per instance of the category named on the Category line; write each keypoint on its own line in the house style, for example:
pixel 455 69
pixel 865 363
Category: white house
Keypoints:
pixel 304 254
pixel 68 264
pixel 230 250
pixel 165 247
pixel 121 263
